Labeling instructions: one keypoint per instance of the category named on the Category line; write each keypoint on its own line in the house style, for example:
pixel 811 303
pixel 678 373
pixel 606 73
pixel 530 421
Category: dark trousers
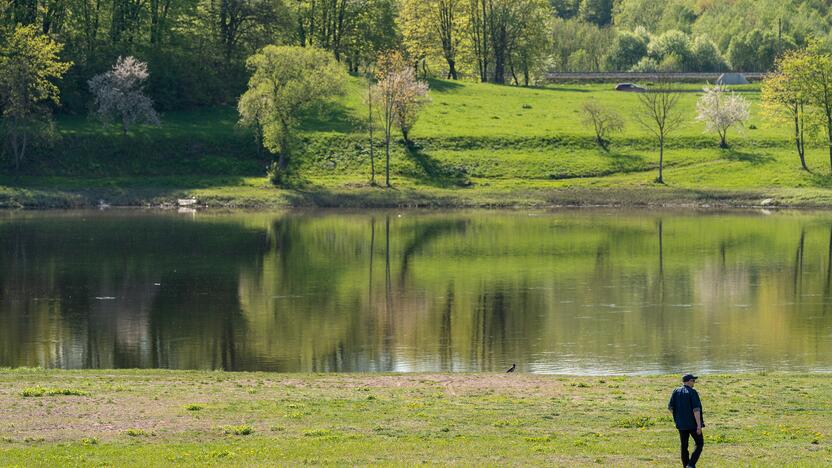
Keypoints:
pixel 684 436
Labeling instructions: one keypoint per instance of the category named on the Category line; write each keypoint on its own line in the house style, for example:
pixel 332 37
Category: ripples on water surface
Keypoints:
pixel 567 292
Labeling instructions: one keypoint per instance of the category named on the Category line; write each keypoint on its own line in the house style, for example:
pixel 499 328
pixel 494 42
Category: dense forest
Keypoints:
pixel 196 49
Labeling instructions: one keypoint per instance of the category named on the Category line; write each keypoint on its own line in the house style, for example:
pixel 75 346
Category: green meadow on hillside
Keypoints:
pixel 476 144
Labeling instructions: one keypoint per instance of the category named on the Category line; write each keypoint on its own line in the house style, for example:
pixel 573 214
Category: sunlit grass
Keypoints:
pixel 476 144
pixel 473 419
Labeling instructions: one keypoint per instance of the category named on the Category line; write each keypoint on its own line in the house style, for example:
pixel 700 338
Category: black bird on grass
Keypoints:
pixel 511 369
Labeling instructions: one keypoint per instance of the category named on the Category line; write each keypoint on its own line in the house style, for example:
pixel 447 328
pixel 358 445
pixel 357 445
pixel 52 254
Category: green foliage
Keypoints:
pixel 598 12
pixel 672 48
pixel 49 391
pixel 631 422
pixel 565 9
pixel 287 81
pixel 497 27
pixel 578 46
pixel 653 16
pixel 626 51
pixel 29 63
pixel 705 56
pixel 241 430
pixel 757 50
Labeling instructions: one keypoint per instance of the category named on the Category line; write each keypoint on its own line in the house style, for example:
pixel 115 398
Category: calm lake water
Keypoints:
pixel 582 292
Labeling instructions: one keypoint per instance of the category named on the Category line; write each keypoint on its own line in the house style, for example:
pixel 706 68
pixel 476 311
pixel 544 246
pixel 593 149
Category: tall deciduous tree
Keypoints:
pixel 819 88
pixel 659 114
pixel 119 95
pixel 29 65
pixel 285 82
pixel 785 97
pixel 496 28
pixel 578 46
pixel 720 110
pixel 450 15
pixel 531 46
pixel 434 28
pixel 353 30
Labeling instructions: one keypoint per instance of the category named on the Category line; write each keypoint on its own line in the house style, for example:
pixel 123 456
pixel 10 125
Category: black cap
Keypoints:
pixel 687 377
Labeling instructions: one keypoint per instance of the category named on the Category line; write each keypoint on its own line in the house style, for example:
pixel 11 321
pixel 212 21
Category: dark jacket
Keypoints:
pixel 682 402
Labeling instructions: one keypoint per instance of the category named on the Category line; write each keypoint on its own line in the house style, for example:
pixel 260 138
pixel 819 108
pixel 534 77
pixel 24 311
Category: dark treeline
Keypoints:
pixel 196 49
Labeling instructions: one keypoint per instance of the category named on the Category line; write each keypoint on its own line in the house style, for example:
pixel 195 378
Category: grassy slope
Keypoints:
pixel 478 144
pixel 132 418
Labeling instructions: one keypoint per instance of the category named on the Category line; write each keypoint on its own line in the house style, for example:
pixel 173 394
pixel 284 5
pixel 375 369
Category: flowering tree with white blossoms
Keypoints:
pixel 399 98
pixel 721 110
pixel 119 96
pixel 411 96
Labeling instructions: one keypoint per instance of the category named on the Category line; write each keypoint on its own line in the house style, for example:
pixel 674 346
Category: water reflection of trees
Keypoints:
pixel 125 290
pixel 464 291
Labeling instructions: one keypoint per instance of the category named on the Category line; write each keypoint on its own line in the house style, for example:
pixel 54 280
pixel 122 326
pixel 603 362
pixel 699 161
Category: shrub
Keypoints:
pixel 635 422
pixel 243 429
pixel 45 391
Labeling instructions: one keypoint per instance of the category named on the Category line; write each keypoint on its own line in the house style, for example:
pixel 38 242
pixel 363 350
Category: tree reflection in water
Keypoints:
pixel 573 291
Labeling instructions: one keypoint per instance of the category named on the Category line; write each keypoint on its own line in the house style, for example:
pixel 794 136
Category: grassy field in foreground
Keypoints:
pixel 476 145
pixel 146 418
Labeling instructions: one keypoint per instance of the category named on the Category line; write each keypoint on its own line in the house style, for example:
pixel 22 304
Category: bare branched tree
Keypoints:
pixel 658 113
pixel 602 120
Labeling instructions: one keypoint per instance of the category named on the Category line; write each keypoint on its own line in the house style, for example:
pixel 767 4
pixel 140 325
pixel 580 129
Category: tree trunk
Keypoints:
pixel 283 154
pixel 798 140
pixel 499 67
pixel 452 70
pixel 661 160
pixel 387 161
pixel 829 134
pixel 281 160
pixel 370 121
pixel 154 23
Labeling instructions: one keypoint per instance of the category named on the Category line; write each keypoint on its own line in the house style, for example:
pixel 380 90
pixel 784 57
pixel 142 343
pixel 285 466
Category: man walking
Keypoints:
pixel 687 414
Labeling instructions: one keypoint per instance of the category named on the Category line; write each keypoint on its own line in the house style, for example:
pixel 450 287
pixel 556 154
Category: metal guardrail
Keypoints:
pixel 629 77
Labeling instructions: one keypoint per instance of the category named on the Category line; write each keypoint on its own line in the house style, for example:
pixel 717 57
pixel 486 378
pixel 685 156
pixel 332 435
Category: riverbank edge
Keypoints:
pixel 263 197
